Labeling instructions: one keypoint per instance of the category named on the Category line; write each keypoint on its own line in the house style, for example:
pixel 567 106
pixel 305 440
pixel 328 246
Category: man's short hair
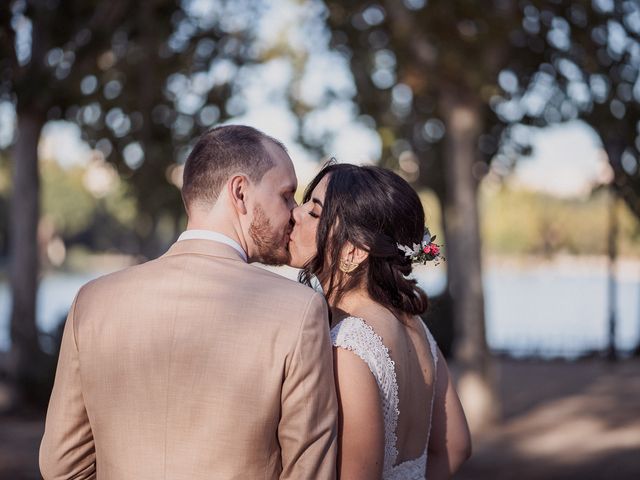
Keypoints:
pixel 220 153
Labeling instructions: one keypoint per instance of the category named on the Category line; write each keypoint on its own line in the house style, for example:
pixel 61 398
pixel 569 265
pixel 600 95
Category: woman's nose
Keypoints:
pixel 297 213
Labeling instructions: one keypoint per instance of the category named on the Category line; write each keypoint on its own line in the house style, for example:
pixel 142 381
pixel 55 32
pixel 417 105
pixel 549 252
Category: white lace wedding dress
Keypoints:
pixel 355 335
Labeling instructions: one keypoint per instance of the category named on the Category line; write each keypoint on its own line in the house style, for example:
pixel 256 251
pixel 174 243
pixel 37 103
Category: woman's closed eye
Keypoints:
pixel 315 203
pixel 313 209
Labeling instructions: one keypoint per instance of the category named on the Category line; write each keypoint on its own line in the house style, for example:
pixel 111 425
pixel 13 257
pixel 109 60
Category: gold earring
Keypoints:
pixel 347 267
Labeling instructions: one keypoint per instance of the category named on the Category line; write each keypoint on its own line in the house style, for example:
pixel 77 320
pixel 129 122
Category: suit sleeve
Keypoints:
pixel 67 450
pixel 308 426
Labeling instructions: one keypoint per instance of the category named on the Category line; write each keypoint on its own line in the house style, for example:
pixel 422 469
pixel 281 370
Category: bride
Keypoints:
pixel 358 232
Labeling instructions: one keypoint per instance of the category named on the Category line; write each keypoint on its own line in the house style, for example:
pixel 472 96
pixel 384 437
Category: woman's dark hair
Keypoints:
pixel 375 210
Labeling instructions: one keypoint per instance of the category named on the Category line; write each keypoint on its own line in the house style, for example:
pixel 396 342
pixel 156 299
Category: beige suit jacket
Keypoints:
pixel 196 365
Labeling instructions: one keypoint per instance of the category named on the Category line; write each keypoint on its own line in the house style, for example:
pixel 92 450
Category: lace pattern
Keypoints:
pixel 355 335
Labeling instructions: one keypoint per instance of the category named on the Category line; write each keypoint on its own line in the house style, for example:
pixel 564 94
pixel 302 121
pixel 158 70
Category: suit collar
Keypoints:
pixel 195 234
pixel 204 247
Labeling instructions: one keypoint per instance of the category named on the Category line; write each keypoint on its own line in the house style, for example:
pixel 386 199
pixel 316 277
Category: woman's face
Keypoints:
pixel 302 242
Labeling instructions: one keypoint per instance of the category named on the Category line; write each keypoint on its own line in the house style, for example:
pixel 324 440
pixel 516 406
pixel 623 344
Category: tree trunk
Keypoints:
pixel 25 366
pixel 476 386
pixel 615 148
pixel 612 250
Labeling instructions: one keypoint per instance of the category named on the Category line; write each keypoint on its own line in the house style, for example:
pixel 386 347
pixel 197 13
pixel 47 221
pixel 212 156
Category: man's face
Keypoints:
pixel 273 201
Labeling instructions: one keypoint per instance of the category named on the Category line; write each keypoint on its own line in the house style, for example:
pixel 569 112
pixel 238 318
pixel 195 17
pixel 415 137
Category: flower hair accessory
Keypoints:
pixel 424 252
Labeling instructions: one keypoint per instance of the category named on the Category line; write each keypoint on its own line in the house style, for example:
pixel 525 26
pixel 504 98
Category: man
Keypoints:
pixel 198 365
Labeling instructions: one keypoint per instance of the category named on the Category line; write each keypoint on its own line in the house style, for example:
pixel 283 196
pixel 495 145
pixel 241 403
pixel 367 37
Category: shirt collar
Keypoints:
pixel 213 236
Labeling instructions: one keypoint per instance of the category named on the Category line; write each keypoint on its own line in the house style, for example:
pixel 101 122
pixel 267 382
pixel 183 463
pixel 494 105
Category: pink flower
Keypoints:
pixel 427 249
pixel 435 250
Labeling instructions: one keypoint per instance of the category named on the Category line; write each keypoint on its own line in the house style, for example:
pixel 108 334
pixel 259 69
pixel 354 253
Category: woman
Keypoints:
pixel 355 233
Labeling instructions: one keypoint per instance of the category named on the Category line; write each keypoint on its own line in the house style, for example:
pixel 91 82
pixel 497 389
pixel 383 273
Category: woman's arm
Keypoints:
pixel 450 440
pixel 361 424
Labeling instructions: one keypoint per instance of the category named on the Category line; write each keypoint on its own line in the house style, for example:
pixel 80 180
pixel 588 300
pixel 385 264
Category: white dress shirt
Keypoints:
pixel 213 236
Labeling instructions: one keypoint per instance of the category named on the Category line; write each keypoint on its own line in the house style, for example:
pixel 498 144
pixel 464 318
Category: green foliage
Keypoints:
pixel 518 222
pixel 433 214
pixel 64 199
pixel 5 175
pixel 510 221
pixel 414 62
pixel 523 222
pixel 73 208
pixel 122 205
pixel 534 62
pixel 589 66
pixel 141 79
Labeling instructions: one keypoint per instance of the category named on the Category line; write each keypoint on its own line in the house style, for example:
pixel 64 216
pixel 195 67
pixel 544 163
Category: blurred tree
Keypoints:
pixel 141 79
pixel 29 79
pixel 156 87
pixel 590 71
pixel 450 84
pixel 5 175
pixel 426 73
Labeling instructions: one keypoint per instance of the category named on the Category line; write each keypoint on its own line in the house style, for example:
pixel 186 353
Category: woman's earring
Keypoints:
pixel 347 267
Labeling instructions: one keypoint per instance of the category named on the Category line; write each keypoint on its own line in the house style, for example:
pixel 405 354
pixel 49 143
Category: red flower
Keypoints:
pixel 434 249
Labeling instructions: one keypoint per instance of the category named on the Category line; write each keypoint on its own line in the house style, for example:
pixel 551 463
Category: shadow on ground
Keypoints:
pixel 562 420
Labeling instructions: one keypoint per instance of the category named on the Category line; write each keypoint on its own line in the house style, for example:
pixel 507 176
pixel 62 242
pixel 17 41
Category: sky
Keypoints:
pixel 567 160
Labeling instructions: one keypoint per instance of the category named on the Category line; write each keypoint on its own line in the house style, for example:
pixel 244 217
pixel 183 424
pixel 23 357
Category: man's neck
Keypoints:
pixel 217 228
pixel 224 228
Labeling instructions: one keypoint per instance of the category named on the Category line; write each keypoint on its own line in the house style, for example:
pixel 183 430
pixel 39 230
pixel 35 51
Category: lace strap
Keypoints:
pixel 355 335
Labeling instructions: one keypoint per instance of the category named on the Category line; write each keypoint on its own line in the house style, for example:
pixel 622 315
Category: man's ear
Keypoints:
pixel 237 189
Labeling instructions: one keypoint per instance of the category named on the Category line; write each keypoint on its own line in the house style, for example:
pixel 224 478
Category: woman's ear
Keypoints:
pixel 354 254
pixel 237 187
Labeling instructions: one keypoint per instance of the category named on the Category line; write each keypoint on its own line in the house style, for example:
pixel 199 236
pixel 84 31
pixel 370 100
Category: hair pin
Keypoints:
pixel 425 251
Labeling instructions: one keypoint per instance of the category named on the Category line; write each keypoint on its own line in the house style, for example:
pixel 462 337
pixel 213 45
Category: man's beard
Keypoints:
pixel 271 249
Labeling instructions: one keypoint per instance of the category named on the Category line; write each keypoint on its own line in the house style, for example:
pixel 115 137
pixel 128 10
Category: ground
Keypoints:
pixel 561 420
pixel 564 421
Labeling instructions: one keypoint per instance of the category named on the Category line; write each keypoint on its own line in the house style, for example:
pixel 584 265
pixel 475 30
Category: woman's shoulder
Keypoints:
pixel 374 319
pixel 369 313
pixel 357 334
pixel 351 328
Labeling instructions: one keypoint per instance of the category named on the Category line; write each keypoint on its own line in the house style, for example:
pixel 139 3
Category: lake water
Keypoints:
pixel 551 309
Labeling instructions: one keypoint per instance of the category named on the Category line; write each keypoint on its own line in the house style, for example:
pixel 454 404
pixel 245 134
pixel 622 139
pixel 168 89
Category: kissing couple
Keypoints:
pixel 199 365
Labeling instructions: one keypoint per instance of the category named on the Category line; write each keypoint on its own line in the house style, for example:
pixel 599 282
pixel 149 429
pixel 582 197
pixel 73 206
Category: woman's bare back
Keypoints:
pixel 374 333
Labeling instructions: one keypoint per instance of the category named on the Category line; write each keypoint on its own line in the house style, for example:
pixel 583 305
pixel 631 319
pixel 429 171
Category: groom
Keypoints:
pixel 198 365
